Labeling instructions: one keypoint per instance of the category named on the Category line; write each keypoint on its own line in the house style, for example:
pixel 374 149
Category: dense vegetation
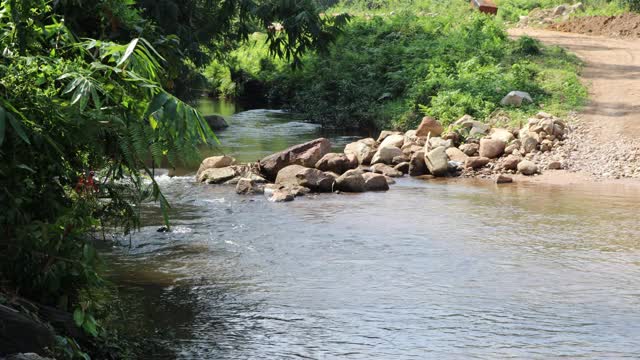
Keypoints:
pixel 87 111
pixel 390 67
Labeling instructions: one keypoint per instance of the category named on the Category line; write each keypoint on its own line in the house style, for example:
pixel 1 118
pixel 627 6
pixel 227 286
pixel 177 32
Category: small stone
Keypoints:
pixel 527 167
pixel 503 179
pixel 476 162
pixel 554 165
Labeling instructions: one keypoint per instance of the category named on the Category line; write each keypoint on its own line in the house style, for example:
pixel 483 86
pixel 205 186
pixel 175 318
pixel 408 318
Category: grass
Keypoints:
pixel 398 60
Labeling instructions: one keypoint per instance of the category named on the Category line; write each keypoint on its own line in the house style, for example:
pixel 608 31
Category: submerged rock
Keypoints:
pixel 216 122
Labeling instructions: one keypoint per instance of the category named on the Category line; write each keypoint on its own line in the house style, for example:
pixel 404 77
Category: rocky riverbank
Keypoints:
pixel 466 148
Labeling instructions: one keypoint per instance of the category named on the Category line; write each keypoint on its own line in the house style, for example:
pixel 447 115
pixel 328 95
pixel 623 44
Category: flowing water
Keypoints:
pixel 427 270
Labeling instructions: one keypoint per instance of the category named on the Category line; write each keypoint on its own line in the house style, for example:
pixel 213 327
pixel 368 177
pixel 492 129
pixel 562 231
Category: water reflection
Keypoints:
pixel 429 269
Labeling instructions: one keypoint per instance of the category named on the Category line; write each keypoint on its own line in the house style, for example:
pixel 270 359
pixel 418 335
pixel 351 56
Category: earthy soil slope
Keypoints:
pixel 623 26
pixel 607 141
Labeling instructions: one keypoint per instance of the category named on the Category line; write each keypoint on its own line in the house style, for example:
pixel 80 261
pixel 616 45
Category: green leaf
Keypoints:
pixel 128 52
pixel 157 103
pixel 15 124
pixel 78 317
pixel 3 123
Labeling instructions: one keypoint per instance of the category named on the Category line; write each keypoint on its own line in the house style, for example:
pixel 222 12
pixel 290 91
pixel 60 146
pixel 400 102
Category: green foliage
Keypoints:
pixel 69 108
pixel 384 69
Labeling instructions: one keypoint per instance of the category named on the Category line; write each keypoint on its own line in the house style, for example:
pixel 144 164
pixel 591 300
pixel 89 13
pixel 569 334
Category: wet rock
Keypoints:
pixel 403 167
pixel 437 161
pixel 386 154
pixel 337 163
pixel 429 127
pixel 307 155
pixel 217 175
pixel 363 150
pixel 386 170
pixel 351 181
pixel 215 162
pixel 457 155
pixel 503 179
pixel 375 182
pixel 470 149
pixel 395 140
pixel 297 175
pixel 476 162
pixel 216 122
pixel 516 98
pixel 417 165
pixel 281 195
pixel 247 186
pixel 527 167
pixel 491 148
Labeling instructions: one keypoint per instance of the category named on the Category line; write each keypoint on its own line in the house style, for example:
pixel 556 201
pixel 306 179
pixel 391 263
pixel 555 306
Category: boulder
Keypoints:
pixel 281 195
pixel 375 182
pixel 395 140
pixel 307 154
pixel 516 98
pixel 529 144
pixel 386 154
pixel 410 137
pixel 399 159
pixel 410 149
pixel 511 162
pixel 491 148
pixel 20 333
pixel 385 133
pixel 476 162
pixel 363 150
pixel 503 135
pixel 351 181
pixel 417 165
pixel 429 127
pixel 457 155
pixel 527 167
pixel 403 167
pixel 337 163
pixel 215 162
pixel 216 122
pixel 248 186
pixel 437 161
pixel 470 149
pixel 435 142
pixel 217 175
pixel 503 179
pixel 386 170
pixel 297 175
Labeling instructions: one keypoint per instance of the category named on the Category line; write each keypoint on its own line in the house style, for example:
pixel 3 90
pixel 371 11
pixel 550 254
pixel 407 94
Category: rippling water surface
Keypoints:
pixel 426 270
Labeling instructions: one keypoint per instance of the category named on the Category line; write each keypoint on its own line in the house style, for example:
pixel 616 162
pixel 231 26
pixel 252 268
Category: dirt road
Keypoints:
pixel 608 143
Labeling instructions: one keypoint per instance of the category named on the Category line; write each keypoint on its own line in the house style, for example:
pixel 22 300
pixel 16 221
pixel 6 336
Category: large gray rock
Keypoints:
pixel 395 140
pixel 216 122
pixel 527 167
pixel 491 148
pixel 307 155
pixel 516 98
pixel 247 186
pixel 363 150
pixel 351 181
pixel 337 163
pixel 297 175
pixel 375 182
pixel 281 195
pixel 437 161
pixel 215 162
pixel 417 165
pixel 386 154
pixel 429 127
pixel 217 175
pixel 435 142
pixel 385 133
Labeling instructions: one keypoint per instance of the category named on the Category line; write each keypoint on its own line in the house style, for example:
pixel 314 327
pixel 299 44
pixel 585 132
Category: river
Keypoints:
pixel 427 270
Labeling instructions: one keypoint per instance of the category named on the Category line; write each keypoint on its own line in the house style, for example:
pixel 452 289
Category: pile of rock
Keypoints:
pixel 542 17
pixel 371 164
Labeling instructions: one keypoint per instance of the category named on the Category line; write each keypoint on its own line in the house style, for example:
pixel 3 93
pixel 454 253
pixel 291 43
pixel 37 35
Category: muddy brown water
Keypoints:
pixel 440 269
